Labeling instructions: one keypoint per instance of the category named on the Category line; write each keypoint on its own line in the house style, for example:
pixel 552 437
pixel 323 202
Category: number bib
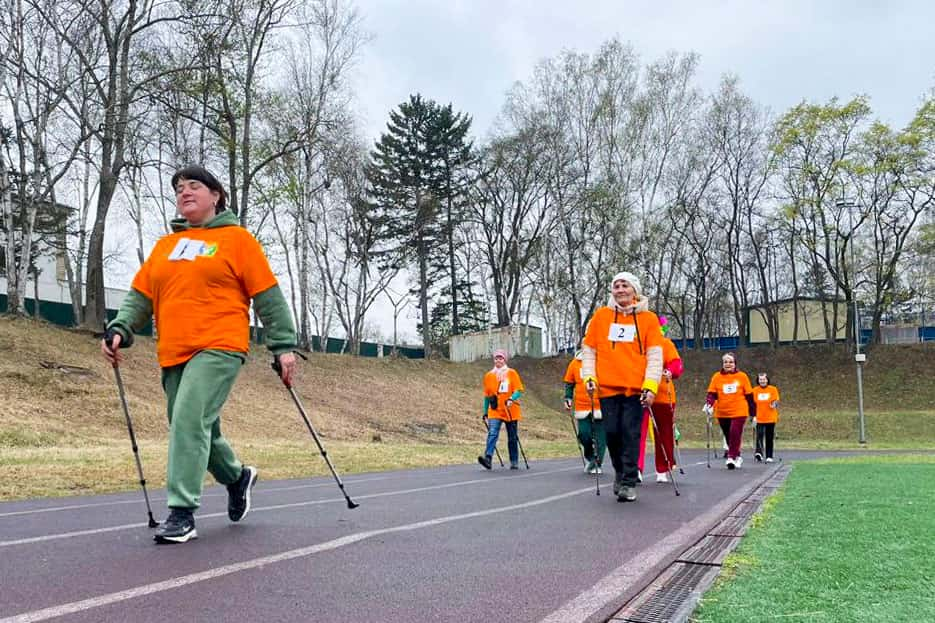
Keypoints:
pixel 621 332
pixel 762 397
pixel 731 388
pixel 504 387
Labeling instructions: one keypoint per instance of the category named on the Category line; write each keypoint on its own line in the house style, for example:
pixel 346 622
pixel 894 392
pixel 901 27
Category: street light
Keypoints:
pixel 859 357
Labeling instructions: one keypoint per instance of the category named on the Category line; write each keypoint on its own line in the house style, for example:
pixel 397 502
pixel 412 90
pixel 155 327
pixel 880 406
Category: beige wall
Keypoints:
pixel 811 323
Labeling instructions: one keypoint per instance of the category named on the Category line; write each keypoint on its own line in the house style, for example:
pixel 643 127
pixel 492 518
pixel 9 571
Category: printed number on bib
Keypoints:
pixel 762 397
pixel 622 332
pixel 504 387
pixel 731 388
pixel 186 249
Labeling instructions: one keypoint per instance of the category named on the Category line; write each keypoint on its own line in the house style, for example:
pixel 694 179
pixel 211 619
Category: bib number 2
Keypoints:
pixel 622 332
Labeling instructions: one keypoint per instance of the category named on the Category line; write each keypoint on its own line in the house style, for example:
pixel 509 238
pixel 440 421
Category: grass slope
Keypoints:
pixel 63 432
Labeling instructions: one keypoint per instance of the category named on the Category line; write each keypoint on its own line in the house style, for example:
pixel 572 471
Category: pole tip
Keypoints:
pixel 351 504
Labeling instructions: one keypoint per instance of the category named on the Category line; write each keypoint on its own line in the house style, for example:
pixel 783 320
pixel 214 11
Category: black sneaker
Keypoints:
pixel 758 457
pixel 484 460
pixel 178 528
pixel 514 466
pixel 618 483
pixel 238 494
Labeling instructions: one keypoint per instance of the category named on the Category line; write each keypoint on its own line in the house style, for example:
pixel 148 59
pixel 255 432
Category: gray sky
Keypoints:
pixel 470 52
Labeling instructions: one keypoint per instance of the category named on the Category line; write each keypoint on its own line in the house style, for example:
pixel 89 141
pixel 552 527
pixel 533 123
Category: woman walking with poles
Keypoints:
pixel 587 412
pixel 502 391
pixel 198 282
pixel 766 397
pixel 664 406
pixel 730 400
pixel 621 362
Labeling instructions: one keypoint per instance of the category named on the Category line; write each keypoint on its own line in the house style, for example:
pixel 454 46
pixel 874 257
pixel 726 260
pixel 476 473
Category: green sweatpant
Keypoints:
pixel 591 433
pixel 196 391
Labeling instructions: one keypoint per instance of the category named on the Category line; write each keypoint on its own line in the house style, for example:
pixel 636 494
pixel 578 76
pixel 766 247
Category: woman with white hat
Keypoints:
pixel 621 363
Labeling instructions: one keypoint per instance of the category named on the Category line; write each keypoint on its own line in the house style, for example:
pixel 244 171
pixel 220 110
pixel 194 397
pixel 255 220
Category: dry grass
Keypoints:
pixel 63 432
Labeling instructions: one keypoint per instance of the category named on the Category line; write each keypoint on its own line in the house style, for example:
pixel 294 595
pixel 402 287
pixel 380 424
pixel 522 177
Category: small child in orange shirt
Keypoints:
pixel 766 397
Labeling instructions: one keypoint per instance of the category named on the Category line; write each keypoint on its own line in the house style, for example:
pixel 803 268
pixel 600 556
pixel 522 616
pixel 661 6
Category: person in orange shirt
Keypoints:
pixel 587 413
pixel 621 362
pixel 198 283
pixel 730 399
pixel 766 397
pixel 664 406
pixel 502 391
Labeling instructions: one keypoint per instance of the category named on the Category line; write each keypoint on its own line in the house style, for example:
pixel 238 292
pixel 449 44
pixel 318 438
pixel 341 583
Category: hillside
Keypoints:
pixel 59 398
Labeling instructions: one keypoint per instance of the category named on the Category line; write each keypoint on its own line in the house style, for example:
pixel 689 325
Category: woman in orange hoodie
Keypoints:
pixel 621 363
pixel 730 399
pixel 502 390
pixel 664 406
pixel 766 397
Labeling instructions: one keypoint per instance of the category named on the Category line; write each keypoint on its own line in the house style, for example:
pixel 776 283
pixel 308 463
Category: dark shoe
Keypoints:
pixel 758 457
pixel 238 494
pixel 626 494
pixel 178 528
pixel 514 466
pixel 484 460
pixel 618 484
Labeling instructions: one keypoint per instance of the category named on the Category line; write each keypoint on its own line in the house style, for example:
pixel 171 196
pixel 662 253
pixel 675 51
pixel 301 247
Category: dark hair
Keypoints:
pixel 203 175
pixel 759 374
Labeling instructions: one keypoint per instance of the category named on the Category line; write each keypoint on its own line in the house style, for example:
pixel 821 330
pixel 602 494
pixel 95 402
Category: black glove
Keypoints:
pixel 492 401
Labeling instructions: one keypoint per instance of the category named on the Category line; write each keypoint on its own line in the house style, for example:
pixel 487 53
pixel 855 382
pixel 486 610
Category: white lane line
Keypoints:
pixel 185 580
pixel 68 535
pixel 614 584
pixel 54 509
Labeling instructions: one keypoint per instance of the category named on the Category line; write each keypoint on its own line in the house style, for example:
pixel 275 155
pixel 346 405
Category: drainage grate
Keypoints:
pixel 731 526
pixel 671 597
pixel 710 550
pixel 744 509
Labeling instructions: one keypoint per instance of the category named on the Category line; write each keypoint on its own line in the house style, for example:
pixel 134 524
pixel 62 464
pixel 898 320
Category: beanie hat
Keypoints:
pixel 501 353
pixel 630 278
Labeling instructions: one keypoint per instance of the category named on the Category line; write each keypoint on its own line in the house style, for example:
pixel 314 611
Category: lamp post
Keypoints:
pixel 859 357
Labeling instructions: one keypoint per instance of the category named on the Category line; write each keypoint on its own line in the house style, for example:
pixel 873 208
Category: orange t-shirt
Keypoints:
pixel 666 387
pixel 503 391
pixel 200 282
pixel 582 400
pixel 732 391
pixel 764 397
pixel 621 359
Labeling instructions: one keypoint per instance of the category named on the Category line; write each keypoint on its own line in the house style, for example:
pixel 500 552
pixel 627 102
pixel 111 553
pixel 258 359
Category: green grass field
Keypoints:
pixel 843 540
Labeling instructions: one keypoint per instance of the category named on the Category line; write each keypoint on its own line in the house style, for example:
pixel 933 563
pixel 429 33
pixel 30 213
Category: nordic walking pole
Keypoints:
pixel 665 454
pixel 574 429
pixel 675 436
pixel 495 449
pixel 518 442
pixel 597 459
pixel 295 398
pixel 126 413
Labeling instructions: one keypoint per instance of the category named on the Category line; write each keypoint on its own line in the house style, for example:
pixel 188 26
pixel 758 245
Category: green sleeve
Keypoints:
pixel 274 313
pixel 516 395
pixel 486 405
pixel 134 314
pixel 569 391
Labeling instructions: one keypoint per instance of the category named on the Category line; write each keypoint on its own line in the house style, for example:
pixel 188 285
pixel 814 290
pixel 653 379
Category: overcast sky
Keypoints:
pixel 469 52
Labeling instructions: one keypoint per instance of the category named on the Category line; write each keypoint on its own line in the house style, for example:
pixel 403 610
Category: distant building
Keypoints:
pixel 47 281
pixel 517 340
pixel 811 320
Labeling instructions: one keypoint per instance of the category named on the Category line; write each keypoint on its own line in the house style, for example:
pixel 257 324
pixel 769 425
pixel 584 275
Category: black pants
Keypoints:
pixel 765 432
pixel 623 416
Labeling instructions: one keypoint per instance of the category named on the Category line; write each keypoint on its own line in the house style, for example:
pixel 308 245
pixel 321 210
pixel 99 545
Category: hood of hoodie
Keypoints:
pixel 641 305
pixel 224 219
